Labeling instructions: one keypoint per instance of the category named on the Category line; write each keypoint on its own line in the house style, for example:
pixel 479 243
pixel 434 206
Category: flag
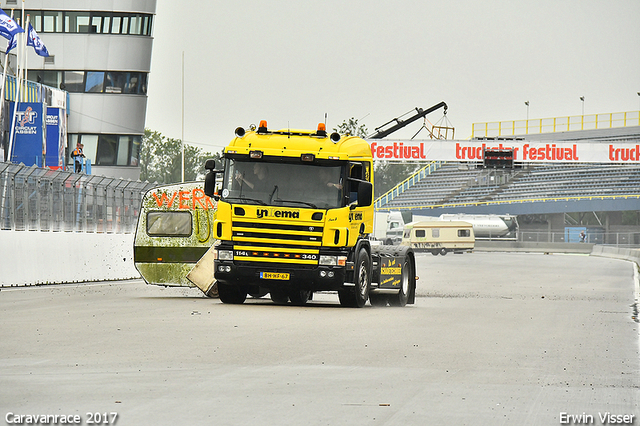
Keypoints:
pixel 12 43
pixel 34 40
pixel 8 27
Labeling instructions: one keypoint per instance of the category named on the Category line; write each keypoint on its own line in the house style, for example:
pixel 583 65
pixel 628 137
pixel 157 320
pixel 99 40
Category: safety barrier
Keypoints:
pixel 556 124
pixel 42 199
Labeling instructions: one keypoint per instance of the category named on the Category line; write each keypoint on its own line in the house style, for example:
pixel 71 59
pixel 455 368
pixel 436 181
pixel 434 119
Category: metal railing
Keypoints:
pixel 628 239
pixel 403 186
pixel 40 199
pixel 417 205
pixel 556 124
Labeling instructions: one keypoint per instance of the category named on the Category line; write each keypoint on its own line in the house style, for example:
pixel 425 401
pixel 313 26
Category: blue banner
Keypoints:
pixel 29 139
pixel 55 138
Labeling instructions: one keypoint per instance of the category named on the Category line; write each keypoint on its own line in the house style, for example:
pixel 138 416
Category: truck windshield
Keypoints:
pixel 283 184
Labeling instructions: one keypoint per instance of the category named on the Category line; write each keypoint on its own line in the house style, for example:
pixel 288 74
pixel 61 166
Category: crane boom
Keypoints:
pixel 401 123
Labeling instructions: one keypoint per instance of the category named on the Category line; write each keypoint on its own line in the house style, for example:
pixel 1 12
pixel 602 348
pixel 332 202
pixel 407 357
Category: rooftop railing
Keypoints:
pixel 556 124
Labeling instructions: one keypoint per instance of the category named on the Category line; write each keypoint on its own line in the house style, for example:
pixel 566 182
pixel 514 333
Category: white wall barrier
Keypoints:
pixel 34 257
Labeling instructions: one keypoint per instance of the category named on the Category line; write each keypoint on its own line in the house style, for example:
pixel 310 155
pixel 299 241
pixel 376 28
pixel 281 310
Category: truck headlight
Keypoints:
pixel 328 260
pixel 333 260
pixel 225 254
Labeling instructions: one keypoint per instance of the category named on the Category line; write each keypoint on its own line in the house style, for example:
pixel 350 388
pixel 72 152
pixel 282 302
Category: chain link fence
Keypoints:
pixel 37 199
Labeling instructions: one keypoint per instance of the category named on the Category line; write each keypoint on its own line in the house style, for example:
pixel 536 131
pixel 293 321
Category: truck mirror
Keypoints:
pixel 210 164
pixel 365 193
pixel 210 182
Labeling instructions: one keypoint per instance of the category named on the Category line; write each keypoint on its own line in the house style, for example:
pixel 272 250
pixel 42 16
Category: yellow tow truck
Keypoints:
pixel 294 215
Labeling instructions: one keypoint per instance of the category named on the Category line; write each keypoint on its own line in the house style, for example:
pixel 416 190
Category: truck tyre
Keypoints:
pixel 358 296
pixel 408 272
pixel 232 294
pixel 434 252
pixel 279 297
pixel 258 293
pixel 379 300
pixel 299 297
pixel 443 251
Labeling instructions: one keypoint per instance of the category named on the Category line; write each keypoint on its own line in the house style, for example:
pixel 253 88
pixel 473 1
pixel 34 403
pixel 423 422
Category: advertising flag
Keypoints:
pixel 8 27
pixel 34 40
pixel 12 43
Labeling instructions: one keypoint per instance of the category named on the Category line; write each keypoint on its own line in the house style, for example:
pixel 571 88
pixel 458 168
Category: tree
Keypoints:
pixel 161 159
pixel 352 128
pixel 386 174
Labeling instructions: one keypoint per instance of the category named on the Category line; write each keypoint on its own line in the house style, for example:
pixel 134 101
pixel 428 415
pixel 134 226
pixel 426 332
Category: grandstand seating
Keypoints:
pixel 451 185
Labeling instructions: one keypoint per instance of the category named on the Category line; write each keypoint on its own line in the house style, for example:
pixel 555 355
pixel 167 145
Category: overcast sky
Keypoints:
pixel 292 62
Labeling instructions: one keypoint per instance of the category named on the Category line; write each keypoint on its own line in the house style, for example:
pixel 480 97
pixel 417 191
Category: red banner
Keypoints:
pixel 523 151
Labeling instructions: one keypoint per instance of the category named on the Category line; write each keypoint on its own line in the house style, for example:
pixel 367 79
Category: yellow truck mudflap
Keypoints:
pixel 390 272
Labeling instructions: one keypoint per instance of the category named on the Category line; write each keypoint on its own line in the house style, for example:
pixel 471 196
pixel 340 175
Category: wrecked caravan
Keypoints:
pixel 174 232
pixel 439 236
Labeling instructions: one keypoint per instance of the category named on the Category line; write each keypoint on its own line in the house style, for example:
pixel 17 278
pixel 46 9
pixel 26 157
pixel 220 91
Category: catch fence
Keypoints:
pixel 41 199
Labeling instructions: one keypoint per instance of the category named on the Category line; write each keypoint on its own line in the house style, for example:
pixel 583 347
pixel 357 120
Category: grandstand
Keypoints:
pixel 549 190
pixel 456 186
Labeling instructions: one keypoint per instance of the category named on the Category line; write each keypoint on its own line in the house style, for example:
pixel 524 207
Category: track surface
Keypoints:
pixel 493 338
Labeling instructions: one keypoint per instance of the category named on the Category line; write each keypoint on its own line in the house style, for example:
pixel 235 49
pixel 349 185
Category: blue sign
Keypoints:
pixel 55 138
pixel 29 138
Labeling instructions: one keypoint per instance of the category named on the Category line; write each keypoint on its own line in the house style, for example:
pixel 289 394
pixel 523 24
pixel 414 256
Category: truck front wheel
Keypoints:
pixel 232 294
pixel 279 297
pixel 299 297
pixel 358 296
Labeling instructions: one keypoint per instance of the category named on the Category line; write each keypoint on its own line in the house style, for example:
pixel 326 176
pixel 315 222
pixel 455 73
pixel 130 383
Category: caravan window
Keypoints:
pixel 420 233
pixel 435 232
pixel 464 233
pixel 169 224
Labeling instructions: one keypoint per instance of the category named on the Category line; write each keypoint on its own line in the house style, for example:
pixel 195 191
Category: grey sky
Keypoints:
pixel 290 62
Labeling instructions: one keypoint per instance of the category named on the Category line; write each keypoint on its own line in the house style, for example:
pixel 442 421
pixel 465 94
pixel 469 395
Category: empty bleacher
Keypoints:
pixel 455 183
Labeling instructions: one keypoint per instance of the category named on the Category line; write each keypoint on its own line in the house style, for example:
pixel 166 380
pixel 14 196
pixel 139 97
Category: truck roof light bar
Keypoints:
pixel 263 126
pixel 322 130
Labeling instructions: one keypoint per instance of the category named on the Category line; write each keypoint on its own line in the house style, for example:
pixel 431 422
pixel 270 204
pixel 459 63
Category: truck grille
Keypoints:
pixel 272 243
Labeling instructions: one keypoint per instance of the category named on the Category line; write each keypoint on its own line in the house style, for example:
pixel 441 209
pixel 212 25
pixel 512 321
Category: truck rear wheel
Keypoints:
pixel 358 296
pixel 379 300
pixel 232 294
pixel 406 281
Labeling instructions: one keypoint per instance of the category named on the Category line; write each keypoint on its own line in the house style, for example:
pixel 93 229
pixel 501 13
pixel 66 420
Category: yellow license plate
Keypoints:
pixel 274 275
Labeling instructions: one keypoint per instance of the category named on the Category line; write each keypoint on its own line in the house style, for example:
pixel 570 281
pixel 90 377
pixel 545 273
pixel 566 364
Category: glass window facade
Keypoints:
pixel 118 82
pixel 96 22
pixel 108 150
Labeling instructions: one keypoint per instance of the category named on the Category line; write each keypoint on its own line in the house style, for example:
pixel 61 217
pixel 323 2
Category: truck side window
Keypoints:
pixel 355 172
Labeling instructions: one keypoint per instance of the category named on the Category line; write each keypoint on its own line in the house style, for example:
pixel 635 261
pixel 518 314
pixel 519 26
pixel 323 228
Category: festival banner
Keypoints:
pixel 523 150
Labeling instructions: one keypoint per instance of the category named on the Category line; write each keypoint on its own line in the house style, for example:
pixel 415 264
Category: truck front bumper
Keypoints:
pixel 316 278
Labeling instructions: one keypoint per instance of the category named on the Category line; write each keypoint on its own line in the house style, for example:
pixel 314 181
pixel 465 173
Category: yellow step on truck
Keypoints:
pixel 294 213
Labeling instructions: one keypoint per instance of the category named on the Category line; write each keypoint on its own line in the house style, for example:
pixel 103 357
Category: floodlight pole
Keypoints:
pixel 182 141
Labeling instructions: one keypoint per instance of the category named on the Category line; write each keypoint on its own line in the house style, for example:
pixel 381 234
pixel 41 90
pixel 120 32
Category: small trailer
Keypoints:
pixel 439 236
pixel 174 232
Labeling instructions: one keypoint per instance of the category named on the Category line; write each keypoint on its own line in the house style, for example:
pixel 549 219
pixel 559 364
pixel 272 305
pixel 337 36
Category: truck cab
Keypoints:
pixel 293 213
